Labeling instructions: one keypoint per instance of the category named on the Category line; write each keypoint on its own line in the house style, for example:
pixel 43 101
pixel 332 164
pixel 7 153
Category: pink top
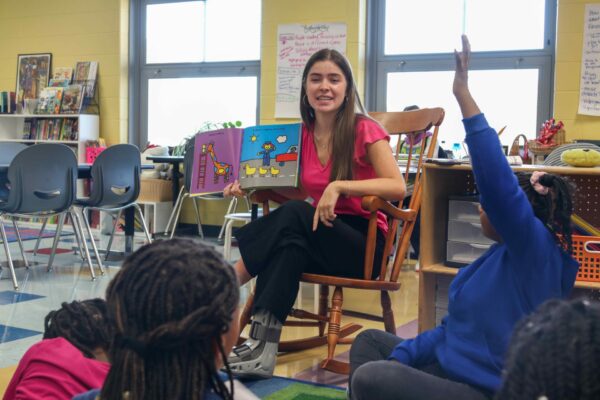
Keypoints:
pixel 315 177
pixel 55 369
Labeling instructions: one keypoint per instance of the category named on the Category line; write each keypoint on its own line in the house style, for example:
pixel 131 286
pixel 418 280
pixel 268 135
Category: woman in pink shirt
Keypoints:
pixel 345 155
pixel 70 359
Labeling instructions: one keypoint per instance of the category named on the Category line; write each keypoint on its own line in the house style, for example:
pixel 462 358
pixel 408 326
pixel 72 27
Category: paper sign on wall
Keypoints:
pixel 589 90
pixel 295 44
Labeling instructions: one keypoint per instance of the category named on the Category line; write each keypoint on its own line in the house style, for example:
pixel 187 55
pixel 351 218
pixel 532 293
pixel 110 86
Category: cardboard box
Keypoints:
pixel 156 190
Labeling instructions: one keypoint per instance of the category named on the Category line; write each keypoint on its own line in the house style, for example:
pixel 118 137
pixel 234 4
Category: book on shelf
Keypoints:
pixel 50 129
pixel 7 102
pixel 49 101
pixel 72 99
pixel 85 74
pixel 63 73
pixel 59 82
pixel 263 156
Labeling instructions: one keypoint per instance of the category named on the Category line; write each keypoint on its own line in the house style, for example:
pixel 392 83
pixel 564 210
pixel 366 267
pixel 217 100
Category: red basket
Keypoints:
pixel 586 250
pixel 92 152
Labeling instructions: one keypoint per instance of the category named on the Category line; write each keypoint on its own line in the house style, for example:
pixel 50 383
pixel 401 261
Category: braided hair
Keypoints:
pixel 553 209
pixel 83 323
pixel 170 304
pixel 555 354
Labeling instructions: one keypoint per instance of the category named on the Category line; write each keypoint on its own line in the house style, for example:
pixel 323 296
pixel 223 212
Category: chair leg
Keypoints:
pixel 388 313
pixel 77 225
pixel 174 211
pixel 227 240
pixel 84 213
pixel 59 226
pixel 18 234
pixel 144 226
pixel 112 235
pixel 77 238
pixel 39 239
pixel 8 257
pixel 231 208
pixel 179 206
pixel 197 212
pixel 323 298
pixel 335 318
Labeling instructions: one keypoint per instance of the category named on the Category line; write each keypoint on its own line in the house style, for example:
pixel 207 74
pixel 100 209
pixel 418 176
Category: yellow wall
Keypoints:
pixel 568 71
pixel 72 30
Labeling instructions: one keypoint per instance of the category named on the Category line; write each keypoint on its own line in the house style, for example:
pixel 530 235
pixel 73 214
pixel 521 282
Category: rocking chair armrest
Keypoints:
pixel 376 203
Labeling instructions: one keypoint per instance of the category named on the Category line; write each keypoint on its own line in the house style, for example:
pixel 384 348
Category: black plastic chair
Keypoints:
pixel 43 182
pixel 184 193
pixel 115 186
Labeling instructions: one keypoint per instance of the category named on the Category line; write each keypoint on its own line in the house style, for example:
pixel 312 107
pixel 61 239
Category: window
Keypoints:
pixel 411 61
pixel 194 66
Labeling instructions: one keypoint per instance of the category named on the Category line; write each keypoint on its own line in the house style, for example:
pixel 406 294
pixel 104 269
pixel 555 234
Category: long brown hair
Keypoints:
pixel 343 135
pixel 169 305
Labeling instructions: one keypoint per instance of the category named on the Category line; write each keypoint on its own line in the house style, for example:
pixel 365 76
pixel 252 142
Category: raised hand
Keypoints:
pixel 461 71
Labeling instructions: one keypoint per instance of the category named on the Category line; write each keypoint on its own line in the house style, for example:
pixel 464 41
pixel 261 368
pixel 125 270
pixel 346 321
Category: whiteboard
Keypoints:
pixel 295 44
pixel 589 89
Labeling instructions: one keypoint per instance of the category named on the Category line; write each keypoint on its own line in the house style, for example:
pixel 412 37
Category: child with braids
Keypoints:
pixel 555 354
pixel 529 217
pixel 71 357
pixel 174 311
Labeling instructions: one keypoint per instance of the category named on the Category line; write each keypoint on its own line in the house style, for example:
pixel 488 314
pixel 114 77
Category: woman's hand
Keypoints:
pixel 234 189
pixel 461 72
pixel 325 211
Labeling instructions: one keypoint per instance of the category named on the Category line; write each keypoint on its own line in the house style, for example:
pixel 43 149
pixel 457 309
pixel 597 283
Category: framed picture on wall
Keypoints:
pixel 33 71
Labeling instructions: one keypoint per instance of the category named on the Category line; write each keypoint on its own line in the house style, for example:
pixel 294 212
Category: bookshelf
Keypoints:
pixel 87 128
pixel 440 182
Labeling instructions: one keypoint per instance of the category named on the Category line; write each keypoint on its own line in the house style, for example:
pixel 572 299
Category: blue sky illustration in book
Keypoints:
pixel 216 160
pixel 270 156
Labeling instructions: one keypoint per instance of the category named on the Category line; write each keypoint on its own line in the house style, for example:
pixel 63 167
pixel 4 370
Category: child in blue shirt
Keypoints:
pixel 529 217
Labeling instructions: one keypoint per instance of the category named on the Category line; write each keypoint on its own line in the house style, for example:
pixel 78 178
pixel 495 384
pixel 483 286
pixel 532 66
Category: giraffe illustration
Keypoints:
pixel 221 169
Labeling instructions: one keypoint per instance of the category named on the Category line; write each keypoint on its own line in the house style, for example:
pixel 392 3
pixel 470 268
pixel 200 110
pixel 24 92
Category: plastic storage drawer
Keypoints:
pixel 463 210
pixel 467 231
pixel 460 253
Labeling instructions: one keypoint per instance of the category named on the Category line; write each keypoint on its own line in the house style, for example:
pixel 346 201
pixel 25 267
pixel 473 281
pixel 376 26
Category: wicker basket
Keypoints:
pixel 539 149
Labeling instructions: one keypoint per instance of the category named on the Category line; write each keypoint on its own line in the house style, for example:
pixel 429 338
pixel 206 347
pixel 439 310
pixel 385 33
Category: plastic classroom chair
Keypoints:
pixel 394 249
pixel 115 186
pixel 43 180
pixel 184 193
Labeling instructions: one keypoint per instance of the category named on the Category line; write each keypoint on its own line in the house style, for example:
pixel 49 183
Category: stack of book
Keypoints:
pixel 7 102
pixel 50 129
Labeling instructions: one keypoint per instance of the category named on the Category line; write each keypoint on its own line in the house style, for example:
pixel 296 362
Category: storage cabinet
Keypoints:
pixel 13 127
pixel 440 184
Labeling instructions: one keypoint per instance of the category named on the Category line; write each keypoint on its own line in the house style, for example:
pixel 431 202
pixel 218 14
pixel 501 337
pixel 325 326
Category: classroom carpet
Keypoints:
pixel 278 388
pixel 29 233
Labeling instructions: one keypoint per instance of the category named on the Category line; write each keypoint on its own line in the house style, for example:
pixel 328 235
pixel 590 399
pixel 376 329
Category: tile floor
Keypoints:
pixel 22 313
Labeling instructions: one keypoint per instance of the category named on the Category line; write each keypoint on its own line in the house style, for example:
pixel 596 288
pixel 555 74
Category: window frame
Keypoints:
pixel 379 64
pixel 140 72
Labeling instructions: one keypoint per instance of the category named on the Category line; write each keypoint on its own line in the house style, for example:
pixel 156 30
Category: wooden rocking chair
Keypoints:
pixel 395 123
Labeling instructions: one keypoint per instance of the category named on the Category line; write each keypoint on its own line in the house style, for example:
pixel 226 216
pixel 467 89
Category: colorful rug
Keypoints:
pixel 278 388
pixel 29 233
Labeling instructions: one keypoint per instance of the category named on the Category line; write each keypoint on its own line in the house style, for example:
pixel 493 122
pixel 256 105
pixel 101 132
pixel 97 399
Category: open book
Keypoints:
pixel 262 156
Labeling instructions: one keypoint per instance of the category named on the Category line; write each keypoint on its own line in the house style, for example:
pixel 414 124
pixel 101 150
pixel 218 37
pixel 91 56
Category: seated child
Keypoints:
pixel 555 354
pixel 174 310
pixel 71 357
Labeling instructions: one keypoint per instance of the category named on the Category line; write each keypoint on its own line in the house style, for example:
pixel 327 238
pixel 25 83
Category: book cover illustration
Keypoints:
pixel 216 160
pixel 72 98
pixel 59 82
pixel 270 156
pixel 85 74
pixel 63 73
pixel 49 101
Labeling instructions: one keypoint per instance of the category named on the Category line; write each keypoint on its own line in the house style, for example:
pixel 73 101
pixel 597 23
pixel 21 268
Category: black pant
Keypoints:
pixel 280 246
pixel 373 377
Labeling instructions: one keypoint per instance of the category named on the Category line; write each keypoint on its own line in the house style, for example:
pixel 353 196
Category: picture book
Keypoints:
pixel 85 74
pixel 59 82
pixel 72 98
pixel 262 156
pixel 49 101
pixel 63 73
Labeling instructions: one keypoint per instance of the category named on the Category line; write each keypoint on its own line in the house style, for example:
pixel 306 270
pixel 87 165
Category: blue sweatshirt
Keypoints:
pixel 508 282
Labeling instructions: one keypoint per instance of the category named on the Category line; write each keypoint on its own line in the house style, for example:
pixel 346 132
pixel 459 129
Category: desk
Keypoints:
pixel 174 161
pixel 439 182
